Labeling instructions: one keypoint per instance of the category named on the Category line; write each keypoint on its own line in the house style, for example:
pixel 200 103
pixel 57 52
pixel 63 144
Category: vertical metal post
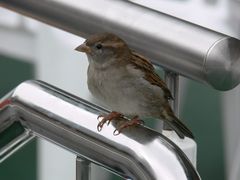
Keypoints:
pixel 83 169
pixel 172 81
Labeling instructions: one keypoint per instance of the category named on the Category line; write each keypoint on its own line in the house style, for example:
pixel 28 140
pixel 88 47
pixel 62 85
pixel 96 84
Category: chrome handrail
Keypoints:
pixel 179 46
pixel 70 122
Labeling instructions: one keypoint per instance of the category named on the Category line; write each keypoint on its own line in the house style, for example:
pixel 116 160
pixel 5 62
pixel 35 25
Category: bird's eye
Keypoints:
pixel 99 46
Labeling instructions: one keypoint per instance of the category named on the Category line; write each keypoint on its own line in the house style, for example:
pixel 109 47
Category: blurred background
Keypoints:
pixel 32 50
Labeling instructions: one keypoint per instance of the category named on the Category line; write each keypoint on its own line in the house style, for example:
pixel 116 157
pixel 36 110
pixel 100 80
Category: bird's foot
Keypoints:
pixel 107 119
pixel 135 121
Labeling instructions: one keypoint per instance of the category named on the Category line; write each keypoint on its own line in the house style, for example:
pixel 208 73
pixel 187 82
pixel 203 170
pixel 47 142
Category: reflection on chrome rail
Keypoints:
pixel 177 45
pixel 39 109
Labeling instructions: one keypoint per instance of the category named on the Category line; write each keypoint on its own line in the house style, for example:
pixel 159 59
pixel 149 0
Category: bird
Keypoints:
pixel 126 82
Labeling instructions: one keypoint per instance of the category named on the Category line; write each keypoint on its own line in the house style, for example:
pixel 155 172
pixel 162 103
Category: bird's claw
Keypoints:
pixel 100 125
pixel 133 122
pixel 107 119
pixel 116 132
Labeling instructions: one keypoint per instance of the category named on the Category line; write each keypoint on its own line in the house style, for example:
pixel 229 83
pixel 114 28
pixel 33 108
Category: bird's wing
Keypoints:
pixel 151 76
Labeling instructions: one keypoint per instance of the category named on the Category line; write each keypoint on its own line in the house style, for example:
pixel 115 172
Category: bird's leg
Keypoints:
pixel 135 121
pixel 107 119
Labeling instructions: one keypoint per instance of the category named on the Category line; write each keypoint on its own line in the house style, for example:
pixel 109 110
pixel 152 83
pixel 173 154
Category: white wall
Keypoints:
pixel 231 109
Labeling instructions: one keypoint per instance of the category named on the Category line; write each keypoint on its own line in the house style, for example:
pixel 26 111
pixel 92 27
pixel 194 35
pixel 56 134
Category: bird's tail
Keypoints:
pixel 179 128
pixel 176 124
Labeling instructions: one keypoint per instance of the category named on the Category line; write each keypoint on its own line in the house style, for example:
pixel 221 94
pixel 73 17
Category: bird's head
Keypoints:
pixel 103 48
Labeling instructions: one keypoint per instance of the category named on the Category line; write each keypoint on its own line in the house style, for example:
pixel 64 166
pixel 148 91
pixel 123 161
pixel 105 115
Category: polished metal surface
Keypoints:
pixel 12 135
pixel 137 153
pixel 172 81
pixel 14 146
pixel 83 169
pixel 177 45
pixel 218 71
pixel 9 148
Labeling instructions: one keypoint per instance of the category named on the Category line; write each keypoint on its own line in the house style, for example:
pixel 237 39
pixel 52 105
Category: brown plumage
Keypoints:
pixel 127 83
pixel 151 76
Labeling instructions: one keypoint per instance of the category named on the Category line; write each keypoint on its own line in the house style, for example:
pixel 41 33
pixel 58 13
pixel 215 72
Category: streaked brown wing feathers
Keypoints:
pixel 142 63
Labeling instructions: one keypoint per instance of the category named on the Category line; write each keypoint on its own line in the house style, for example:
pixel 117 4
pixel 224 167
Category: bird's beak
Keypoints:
pixel 83 48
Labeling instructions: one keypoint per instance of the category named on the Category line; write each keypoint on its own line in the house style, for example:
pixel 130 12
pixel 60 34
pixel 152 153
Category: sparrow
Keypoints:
pixel 126 82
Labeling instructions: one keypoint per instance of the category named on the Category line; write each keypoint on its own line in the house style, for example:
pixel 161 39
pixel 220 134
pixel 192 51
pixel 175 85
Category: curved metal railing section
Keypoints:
pixel 36 108
pixel 177 45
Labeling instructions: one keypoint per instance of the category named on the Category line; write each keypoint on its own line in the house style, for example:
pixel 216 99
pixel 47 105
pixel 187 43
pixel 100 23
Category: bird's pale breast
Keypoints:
pixel 125 90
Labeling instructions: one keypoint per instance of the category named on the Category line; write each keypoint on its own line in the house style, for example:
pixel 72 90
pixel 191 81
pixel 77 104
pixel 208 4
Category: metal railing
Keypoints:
pixel 39 109
pixel 177 45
